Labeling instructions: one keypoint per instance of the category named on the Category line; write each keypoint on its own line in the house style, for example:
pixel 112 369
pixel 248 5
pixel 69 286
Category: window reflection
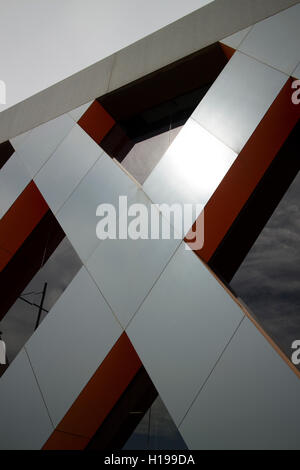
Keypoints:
pixel 20 321
pixel 156 431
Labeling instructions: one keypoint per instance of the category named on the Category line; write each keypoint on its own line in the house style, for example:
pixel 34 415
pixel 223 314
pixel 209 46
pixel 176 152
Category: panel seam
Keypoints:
pixel 40 390
pixel 212 370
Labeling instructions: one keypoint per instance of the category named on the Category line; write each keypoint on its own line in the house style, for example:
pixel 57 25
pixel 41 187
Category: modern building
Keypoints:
pixel 187 341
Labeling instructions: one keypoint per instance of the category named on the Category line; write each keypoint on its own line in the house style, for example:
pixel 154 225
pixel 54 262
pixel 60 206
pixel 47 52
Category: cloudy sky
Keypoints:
pixel 269 279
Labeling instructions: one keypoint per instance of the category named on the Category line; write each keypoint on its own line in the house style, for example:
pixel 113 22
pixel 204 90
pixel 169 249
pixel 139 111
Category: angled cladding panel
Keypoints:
pixel 25 423
pixel 70 344
pixel 276 40
pixel 238 100
pixel 19 221
pixel 102 184
pixel 234 40
pixel 192 318
pixel 246 172
pixel 126 269
pixel 36 146
pixel 101 393
pixel 66 167
pixel 249 402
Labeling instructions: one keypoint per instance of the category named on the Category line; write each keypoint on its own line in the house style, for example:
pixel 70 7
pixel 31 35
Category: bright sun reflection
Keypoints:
pixel 198 161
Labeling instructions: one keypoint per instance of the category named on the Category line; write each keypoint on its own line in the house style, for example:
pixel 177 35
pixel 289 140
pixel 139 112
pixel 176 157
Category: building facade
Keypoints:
pixel 204 112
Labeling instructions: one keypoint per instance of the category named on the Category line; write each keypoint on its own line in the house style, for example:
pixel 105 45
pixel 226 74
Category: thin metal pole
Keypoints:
pixel 32 303
pixel 41 306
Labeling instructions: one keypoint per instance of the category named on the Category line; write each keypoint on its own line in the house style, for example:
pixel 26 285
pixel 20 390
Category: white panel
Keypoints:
pixel 66 167
pixel 251 401
pixel 71 343
pixel 78 112
pixel 190 34
pixel 182 328
pixel 24 423
pixel 276 40
pixel 14 178
pixel 238 100
pixel 18 141
pixel 235 39
pixel 296 73
pixel 42 141
pixel 103 184
pixel 191 169
pixel 125 270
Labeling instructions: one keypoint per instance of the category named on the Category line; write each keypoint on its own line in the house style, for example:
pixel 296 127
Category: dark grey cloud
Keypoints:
pixel 269 279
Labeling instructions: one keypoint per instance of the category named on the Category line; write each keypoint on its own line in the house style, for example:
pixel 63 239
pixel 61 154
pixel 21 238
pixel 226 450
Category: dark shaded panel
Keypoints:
pixel 194 71
pixel 161 101
pixel 3 368
pixel 116 143
pixel 258 209
pixel 34 252
pixel 6 151
pixel 125 416
pixel 164 117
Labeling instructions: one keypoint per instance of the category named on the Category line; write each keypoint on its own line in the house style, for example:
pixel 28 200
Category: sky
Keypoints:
pixel 269 279
pixel 72 35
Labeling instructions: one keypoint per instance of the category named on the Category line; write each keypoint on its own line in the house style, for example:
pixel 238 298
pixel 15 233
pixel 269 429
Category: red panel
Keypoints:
pixel 62 441
pixel 19 221
pixel 103 390
pixel 96 122
pixel 228 51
